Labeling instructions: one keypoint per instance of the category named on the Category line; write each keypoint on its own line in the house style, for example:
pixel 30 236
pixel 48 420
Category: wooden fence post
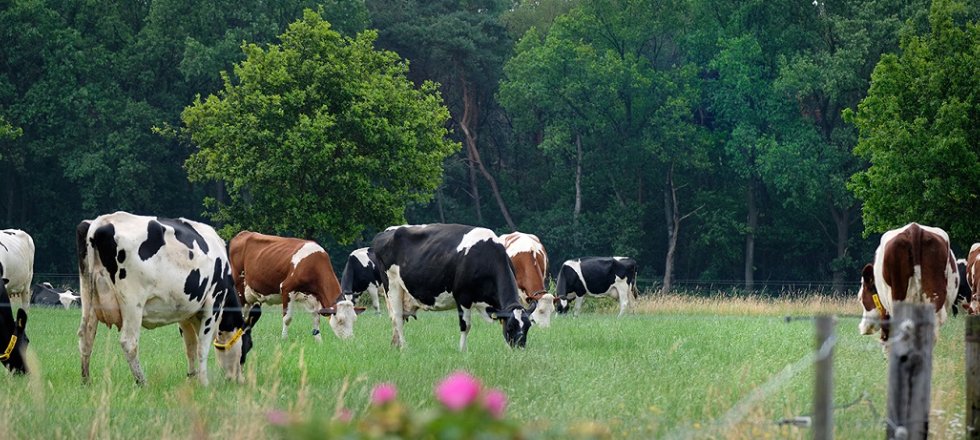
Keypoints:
pixel 823 390
pixel 910 370
pixel 973 377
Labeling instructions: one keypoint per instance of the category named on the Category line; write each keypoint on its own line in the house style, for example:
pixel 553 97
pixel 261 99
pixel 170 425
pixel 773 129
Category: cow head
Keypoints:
pixel 542 310
pixel 237 343
pixel 13 336
pixel 342 318
pixel 516 325
pixel 868 296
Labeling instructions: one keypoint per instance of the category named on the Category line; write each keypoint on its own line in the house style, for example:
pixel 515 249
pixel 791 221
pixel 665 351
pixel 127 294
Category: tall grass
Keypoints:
pixel 676 367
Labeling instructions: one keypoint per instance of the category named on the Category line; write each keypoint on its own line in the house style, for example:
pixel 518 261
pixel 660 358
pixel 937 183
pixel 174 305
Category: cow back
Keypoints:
pixel 17 257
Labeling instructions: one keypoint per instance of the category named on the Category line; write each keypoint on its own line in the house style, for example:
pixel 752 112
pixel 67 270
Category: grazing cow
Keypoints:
pixel 13 336
pixel 912 263
pixel 531 268
pixel 137 271
pixel 17 257
pixel 597 276
pixel 441 266
pixel 963 291
pixel 361 275
pixel 973 278
pixel 282 270
pixel 45 294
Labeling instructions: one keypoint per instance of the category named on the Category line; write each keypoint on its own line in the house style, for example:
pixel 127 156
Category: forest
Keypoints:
pixel 749 144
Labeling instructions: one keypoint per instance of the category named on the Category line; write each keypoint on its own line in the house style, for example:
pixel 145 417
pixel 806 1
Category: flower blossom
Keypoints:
pixel 383 393
pixel 495 401
pixel 458 390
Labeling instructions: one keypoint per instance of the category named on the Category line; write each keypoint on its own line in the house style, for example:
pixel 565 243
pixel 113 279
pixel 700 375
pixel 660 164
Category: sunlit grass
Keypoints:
pixel 675 367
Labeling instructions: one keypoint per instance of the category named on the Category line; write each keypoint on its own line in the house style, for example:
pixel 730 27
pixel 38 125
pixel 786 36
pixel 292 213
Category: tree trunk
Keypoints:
pixel 673 217
pixel 672 221
pixel 752 222
pixel 474 189
pixel 842 220
pixel 442 213
pixel 471 110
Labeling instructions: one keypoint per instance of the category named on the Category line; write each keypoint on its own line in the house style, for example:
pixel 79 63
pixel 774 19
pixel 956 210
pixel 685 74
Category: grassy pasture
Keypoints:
pixel 678 367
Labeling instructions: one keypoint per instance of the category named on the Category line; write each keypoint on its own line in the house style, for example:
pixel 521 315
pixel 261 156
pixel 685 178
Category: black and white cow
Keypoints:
pixel 13 336
pixel 138 271
pixel 44 294
pixel 361 275
pixel 596 276
pixel 963 291
pixel 17 257
pixel 444 266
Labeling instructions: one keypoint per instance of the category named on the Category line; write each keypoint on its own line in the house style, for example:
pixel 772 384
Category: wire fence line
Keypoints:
pixel 644 285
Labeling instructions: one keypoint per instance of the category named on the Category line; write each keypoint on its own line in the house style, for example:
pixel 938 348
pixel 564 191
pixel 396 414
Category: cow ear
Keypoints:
pixel 21 319
pixel 5 281
pixel 868 276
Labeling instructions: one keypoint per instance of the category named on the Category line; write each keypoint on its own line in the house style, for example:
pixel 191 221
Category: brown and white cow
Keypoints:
pixel 972 305
pixel 283 270
pixel 913 263
pixel 530 269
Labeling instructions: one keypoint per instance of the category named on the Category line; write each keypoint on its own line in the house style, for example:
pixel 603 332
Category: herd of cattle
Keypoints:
pixel 144 272
pixel 140 272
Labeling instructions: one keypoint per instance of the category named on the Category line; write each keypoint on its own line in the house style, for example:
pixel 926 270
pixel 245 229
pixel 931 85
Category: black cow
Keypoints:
pixel 361 275
pixel 963 292
pixel 13 335
pixel 439 266
pixel 596 276
pixel 44 294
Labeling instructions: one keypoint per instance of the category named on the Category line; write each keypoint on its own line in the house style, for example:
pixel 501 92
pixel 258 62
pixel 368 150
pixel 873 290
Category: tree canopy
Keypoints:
pixel 318 134
pixel 919 128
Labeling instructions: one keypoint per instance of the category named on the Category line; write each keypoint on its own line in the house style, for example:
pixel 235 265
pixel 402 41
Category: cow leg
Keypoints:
pixel 394 297
pixel 86 335
pixel 287 315
pixel 464 325
pixel 624 297
pixel 316 326
pixel 578 304
pixel 373 291
pixel 190 330
pixel 129 339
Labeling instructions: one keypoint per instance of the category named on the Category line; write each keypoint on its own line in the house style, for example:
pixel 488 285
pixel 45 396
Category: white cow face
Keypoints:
pixel 544 310
pixel 342 320
pixel 229 358
pixel 870 317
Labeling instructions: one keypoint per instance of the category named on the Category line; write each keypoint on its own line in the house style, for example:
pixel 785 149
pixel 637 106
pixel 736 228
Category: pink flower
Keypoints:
pixel 277 417
pixel 458 390
pixel 495 401
pixel 344 415
pixel 383 393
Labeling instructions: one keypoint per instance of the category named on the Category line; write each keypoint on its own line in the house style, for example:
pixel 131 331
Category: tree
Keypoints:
pixel 608 90
pixel 462 45
pixel 320 134
pixel 919 127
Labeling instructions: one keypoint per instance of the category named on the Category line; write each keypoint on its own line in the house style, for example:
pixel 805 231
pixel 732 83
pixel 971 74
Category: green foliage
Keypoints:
pixel 318 134
pixel 919 127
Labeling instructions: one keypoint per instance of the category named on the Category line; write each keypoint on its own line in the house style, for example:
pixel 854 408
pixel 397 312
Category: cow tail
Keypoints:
pixel 917 258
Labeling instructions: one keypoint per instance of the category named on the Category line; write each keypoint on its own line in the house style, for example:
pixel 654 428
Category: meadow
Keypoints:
pixel 675 367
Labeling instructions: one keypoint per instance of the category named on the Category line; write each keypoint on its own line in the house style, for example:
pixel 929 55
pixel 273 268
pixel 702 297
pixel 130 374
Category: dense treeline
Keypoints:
pixel 707 139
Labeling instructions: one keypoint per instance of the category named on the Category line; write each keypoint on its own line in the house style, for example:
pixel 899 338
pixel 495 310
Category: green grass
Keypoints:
pixel 653 374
